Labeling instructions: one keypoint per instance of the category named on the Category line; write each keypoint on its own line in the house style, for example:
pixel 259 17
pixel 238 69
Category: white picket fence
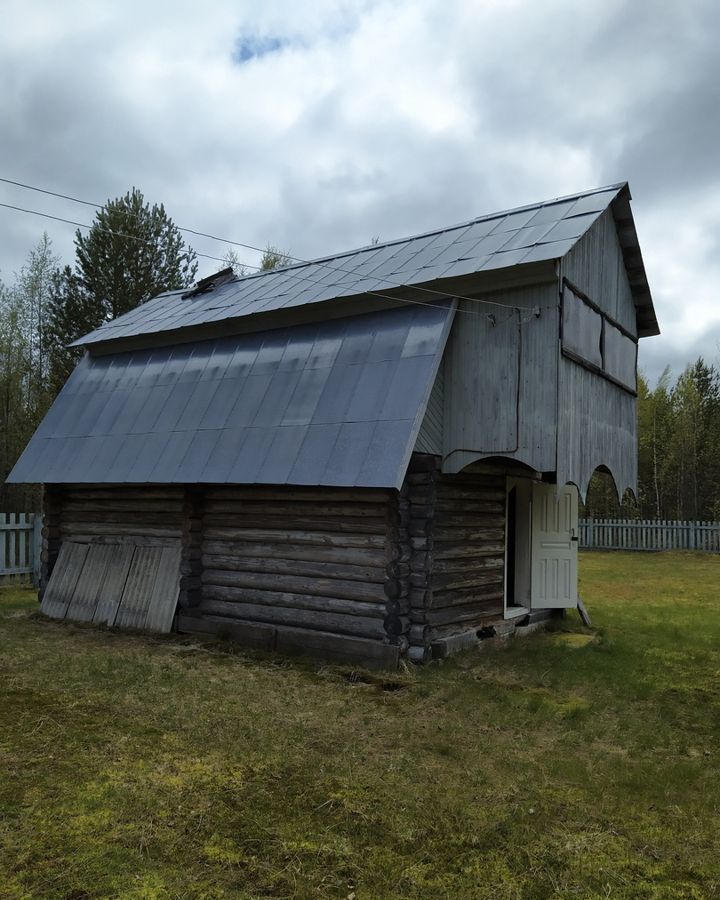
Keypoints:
pixel 649 534
pixel 20 546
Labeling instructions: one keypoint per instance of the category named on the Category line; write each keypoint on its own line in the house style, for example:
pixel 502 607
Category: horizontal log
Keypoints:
pixel 337 525
pixel 292 508
pixel 124 540
pixel 453 550
pixel 467 564
pixel 443 533
pixel 122 504
pixel 309 567
pixel 466 595
pixel 123 492
pixel 370 654
pixel 369 559
pixel 464 615
pixel 361 626
pixel 295 584
pixel 314 494
pixel 290 600
pixel 448 494
pixel 292 536
pixel 122 519
pixel 470 520
pixel 249 634
pixel 457 581
pixel 488 479
pixel 69 529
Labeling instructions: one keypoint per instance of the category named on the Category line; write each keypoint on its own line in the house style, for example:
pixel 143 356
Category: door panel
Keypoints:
pixel 554 547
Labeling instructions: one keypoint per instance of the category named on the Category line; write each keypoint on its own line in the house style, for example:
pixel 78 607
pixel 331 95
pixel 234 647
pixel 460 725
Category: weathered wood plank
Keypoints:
pixel 164 597
pixel 350 556
pixel 312 495
pixel 339 525
pixel 89 585
pixel 135 599
pixel 311 568
pixel 291 600
pixel 61 585
pixel 114 583
pixel 296 584
pixel 292 508
pixel 321 538
pixel 361 626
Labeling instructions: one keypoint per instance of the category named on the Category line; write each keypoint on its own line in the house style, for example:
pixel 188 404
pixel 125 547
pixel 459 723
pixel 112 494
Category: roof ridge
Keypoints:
pixel 434 231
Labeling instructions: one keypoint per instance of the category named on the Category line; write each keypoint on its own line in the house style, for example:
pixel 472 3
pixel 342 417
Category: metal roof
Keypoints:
pixel 542 231
pixel 333 403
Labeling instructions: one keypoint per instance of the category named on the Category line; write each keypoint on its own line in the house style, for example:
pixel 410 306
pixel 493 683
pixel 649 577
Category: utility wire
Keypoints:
pixel 297 259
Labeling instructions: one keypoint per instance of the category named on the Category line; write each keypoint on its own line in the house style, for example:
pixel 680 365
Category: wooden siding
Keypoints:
pixel 501 380
pixel 597 427
pixel 430 436
pixel 304 558
pixel 597 419
pixel 596 266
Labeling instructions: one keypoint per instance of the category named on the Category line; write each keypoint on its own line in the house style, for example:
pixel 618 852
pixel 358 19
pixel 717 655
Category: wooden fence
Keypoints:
pixel 649 534
pixel 20 543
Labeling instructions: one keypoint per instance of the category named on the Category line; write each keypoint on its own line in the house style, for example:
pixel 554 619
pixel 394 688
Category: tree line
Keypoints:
pixel 132 252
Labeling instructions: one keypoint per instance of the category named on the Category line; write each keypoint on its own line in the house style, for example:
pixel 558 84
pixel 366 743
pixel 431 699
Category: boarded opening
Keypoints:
pixel 115 584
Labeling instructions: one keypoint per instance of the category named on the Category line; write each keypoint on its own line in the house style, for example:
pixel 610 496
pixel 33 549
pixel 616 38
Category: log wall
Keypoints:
pixel 457 551
pixel 368 573
pixel 124 513
pixel 313 558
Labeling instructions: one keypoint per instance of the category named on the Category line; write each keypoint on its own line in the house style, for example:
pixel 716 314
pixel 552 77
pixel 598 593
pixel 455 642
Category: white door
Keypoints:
pixel 554 547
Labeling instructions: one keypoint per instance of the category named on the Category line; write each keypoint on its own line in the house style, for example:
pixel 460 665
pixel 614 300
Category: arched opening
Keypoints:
pixel 606 499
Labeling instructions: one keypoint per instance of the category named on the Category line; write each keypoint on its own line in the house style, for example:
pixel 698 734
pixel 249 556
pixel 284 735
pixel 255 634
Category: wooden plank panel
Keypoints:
pixel 89 585
pixel 164 597
pixel 133 607
pixel 65 576
pixel 114 583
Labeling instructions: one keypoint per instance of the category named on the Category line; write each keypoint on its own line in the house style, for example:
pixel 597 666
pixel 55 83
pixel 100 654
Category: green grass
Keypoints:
pixel 570 764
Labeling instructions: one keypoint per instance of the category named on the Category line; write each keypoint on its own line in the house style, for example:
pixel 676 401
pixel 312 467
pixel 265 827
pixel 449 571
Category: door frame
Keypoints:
pixel 522 571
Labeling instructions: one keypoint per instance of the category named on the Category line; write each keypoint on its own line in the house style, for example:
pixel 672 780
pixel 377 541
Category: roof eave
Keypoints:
pixel 647 323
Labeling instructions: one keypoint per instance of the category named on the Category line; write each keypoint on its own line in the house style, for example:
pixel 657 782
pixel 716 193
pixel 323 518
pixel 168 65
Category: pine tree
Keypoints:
pixel 132 253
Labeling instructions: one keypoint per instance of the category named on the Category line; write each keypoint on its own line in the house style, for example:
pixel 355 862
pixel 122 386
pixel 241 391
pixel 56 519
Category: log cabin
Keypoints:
pixel 371 456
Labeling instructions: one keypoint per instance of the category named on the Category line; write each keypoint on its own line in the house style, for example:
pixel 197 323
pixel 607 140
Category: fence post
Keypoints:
pixel 36 549
pixel 589 532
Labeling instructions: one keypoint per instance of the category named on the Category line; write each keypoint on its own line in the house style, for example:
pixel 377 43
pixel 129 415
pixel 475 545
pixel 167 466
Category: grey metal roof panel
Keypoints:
pixel 416 260
pixel 333 403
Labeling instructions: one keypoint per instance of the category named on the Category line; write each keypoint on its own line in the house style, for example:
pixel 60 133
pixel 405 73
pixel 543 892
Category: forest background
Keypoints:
pixel 133 251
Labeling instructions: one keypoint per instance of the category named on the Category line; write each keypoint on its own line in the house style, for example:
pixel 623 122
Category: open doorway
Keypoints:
pixel 517 546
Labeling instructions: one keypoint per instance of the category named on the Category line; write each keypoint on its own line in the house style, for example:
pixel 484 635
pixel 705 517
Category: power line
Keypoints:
pixel 534 311
pixel 297 259
pixel 132 237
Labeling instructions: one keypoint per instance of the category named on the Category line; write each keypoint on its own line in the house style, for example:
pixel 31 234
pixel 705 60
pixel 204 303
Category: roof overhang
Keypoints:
pixel 647 323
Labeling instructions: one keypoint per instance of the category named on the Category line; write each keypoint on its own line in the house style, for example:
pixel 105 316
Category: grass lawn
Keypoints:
pixel 571 764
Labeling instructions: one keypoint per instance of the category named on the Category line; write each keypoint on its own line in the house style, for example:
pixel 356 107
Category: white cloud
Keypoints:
pixel 383 117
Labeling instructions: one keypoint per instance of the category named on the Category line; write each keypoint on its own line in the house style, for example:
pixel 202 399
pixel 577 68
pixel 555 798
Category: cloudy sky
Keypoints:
pixel 318 125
